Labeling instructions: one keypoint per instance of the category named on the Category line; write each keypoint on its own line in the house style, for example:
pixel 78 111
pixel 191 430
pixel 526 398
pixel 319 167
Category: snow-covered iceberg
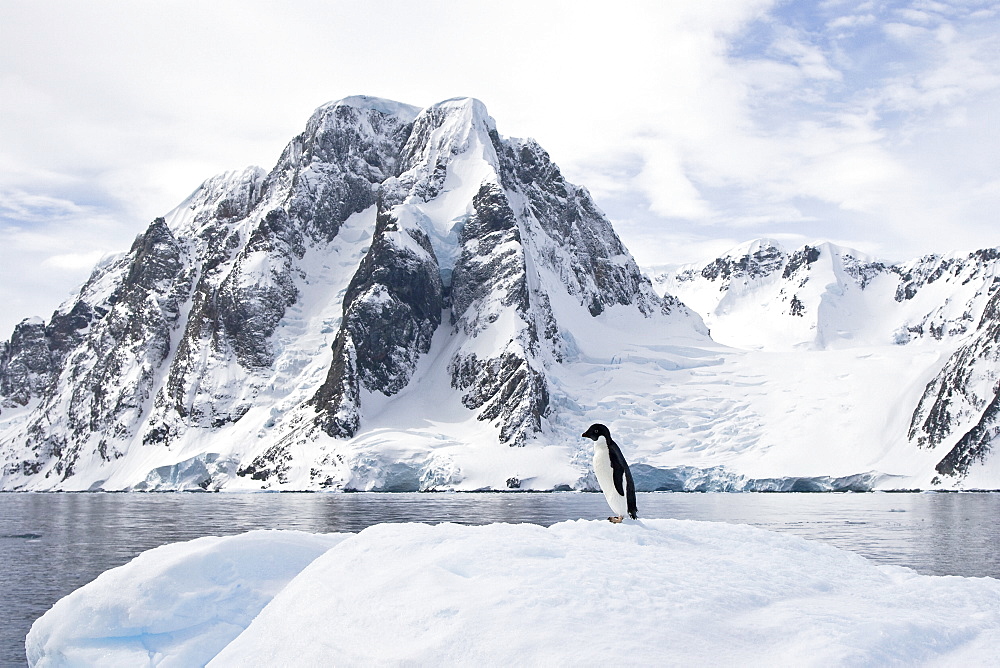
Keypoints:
pixel 176 605
pixel 654 592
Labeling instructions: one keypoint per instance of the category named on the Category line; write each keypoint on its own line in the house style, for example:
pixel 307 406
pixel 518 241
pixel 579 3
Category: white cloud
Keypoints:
pixel 74 262
pixel 694 124
pixel 808 58
pixel 851 21
pixel 48 246
pixel 915 16
pixel 904 32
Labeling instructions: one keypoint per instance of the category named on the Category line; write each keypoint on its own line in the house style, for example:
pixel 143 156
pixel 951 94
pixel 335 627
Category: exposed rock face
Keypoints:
pixel 270 311
pixel 479 264
pixel 392 308
pixel 963 399
pixel 492 255
pixel 576 242
pixel 958 411
pixel 760 260
pixel 105 381
pixel 491 278
pixel 27 363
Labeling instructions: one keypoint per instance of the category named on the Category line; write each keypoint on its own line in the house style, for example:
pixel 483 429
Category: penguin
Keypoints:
pixel 613 473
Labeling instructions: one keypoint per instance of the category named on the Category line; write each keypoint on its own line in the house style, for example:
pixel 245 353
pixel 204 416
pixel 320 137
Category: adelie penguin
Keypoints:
pixel 612 472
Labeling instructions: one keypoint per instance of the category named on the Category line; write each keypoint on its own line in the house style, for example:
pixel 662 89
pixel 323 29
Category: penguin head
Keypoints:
pixel 596 431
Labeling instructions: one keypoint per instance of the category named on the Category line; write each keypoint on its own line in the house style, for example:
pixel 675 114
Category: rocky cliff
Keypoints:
pixel 254 334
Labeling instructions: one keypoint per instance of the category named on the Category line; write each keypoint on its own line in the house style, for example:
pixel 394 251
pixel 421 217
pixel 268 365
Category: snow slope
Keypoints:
pixel 852 364
pixel 654 592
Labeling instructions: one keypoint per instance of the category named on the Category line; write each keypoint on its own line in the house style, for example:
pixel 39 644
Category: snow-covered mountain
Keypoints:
pixel 824 296
pixel 404 297
pixel 928 328
pixel 409 300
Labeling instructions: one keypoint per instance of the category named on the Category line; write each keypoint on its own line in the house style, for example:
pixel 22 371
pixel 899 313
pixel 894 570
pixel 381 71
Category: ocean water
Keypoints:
pixel 51 544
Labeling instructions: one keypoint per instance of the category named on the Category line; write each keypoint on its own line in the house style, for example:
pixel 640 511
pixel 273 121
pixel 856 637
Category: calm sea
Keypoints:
pixel 51 544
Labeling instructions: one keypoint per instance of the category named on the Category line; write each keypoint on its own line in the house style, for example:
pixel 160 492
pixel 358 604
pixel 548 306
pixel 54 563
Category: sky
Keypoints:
pixel 695 126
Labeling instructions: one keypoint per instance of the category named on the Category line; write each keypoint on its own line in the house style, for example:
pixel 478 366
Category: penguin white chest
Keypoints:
pixel 606 478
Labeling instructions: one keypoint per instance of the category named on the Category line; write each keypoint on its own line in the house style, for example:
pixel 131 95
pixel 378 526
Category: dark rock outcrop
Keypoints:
pixel 964 399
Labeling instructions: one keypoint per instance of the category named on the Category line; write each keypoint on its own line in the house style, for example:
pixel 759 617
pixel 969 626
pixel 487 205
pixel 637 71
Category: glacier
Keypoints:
pixel 409 300
pixel 652 592
pixel 905 352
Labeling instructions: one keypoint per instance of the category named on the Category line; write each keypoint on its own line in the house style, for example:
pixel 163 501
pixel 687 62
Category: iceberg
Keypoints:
pixel 177 604
pixel 655 591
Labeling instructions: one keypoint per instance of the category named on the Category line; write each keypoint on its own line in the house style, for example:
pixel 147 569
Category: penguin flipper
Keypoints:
pixel 619 475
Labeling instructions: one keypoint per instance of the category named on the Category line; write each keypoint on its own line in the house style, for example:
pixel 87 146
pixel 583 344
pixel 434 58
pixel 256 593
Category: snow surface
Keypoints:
pixel 182 602
pixel 653 592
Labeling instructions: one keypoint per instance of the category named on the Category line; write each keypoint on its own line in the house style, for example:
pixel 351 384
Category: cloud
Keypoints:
pixel 74 262
pixel 694 124
pixel 49 246
pixel 36 207
pixel 821 123
pixel 851 21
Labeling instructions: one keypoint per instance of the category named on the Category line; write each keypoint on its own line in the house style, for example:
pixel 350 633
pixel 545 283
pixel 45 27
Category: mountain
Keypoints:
pixel 401 302
pixel 409 300
pixel 938 315
pixel 825 296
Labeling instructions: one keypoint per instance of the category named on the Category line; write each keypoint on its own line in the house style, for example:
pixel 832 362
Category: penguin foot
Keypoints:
pixel 616 520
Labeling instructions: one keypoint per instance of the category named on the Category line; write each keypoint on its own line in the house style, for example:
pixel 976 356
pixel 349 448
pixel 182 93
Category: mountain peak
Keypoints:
pixel 469 107
pixel 755 246
pixel 227 195
pixel 405 112
pixel 448 129
pixel 768 245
